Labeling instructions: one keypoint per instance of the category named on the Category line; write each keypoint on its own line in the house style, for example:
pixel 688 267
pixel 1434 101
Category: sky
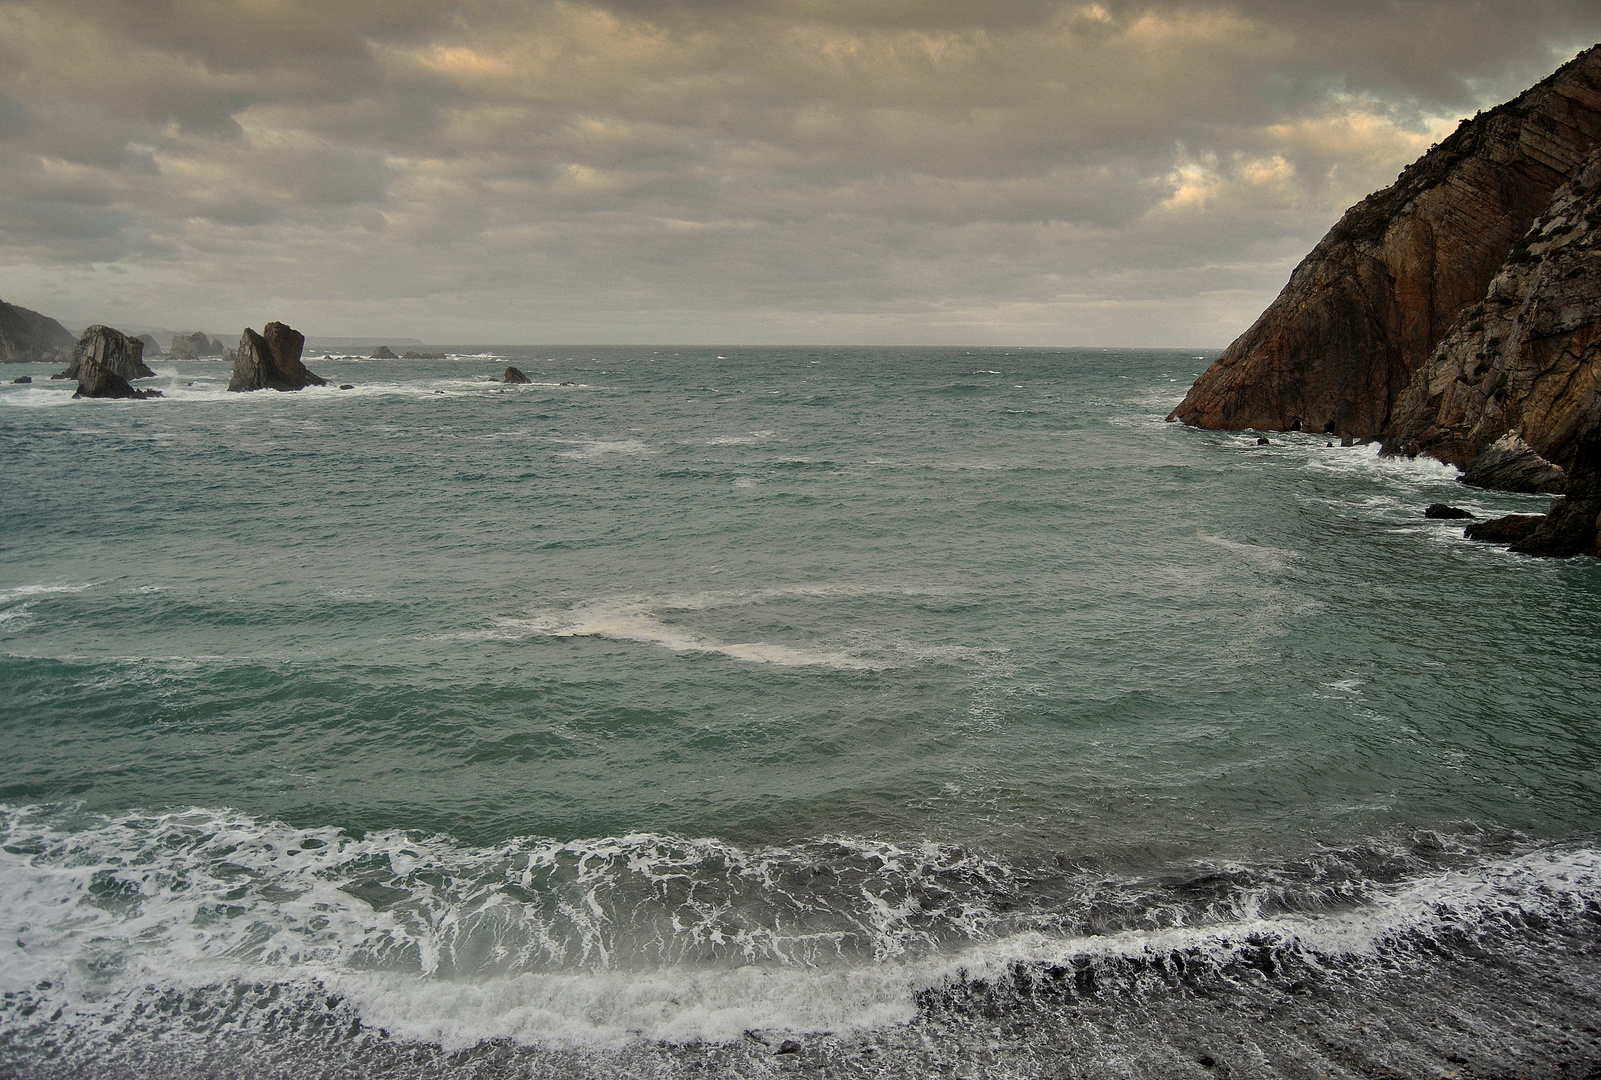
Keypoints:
pixel 1017 172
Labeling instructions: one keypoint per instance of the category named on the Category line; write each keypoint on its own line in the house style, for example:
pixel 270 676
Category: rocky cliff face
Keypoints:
pixel 1524 362
pixel 271 360
pixel 1368 307
pixel 110 351
pixel 29 336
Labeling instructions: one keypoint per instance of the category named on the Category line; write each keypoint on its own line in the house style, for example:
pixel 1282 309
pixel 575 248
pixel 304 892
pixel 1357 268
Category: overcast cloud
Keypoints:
pixel 733 171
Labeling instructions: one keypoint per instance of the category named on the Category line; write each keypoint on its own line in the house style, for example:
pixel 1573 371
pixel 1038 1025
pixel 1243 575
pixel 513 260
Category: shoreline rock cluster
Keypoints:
pixel 1455 314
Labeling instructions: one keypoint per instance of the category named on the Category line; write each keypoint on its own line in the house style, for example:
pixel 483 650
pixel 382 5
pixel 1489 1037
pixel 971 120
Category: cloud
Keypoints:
pixel 736 170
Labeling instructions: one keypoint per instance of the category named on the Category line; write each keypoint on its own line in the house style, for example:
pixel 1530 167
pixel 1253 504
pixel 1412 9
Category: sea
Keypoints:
pixel 756 712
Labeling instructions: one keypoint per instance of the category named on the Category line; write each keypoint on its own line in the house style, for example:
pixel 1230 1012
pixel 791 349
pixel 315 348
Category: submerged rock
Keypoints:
pixel 111 351
pixel 1448 513
pixel 1510 464
pixel 271 360
pixel 1504 530
pixel 513 375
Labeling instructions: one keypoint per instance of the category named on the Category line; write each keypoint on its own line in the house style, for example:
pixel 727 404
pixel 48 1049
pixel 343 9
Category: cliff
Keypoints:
pixel 27 335
pixel 1369 306
pixel 1523 364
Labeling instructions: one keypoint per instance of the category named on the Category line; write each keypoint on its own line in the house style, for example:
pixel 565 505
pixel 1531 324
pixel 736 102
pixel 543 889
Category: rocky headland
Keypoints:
pixel 270 360
pixel 27 336
pixel 1456 313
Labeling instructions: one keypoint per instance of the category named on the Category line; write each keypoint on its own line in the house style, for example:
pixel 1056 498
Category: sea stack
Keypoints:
pixel 1367 308
pixel 271 360
pixel 103 358
pixel 514 375
pixel 107 351
pixel 194 346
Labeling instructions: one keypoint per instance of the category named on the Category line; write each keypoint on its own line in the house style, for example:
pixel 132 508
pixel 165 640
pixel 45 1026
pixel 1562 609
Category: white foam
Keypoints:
pixel 544 942
pixel 594 448
pixel 42 590
pixel 634 621
pixel 644 620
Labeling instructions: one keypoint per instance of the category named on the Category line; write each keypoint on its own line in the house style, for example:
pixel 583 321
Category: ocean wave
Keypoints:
pixel 669 938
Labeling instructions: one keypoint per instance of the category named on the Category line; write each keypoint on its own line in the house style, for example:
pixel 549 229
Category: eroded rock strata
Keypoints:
pixel 270 360
pixel 1516 383
pixel 1368 307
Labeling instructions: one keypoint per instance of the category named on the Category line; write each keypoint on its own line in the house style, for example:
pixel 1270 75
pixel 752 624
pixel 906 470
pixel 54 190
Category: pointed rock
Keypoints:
pixel 271 360
pixel 513 375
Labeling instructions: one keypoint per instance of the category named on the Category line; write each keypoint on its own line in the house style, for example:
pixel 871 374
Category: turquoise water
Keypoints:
pixel 685 693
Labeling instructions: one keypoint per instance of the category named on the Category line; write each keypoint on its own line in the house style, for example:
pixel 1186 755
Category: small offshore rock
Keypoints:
pixel 515 376
pixel 1505 530
pixel 1510 464
pixel 422 356
pixel 383 352
pixel 1441 510
pixel 1262 440
pixel 24 379
pixel 347 386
